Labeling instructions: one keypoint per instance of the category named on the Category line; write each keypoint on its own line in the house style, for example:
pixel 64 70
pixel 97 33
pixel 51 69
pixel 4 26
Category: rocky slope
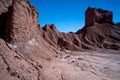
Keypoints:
pixel 22 47
pixel 31 52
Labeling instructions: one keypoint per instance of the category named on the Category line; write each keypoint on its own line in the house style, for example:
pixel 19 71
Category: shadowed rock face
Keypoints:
pixel 5 13
pixel 26 49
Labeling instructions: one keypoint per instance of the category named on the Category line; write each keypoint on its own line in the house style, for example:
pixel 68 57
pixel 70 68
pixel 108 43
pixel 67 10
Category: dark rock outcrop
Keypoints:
pixel 94 15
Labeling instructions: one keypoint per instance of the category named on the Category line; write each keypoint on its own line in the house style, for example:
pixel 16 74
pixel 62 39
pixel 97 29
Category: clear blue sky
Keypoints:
pixel 69 15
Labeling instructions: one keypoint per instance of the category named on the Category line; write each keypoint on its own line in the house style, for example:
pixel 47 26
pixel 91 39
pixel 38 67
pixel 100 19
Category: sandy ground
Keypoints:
pixel 87 65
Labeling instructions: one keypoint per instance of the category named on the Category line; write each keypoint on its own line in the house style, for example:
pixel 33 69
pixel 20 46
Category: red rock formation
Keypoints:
pixel 92 37
pixel 93 15
pixel 21 45
pixel 19 28
pixel 60 40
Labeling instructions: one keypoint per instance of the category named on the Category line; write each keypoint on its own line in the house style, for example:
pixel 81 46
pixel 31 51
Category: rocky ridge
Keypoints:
pixel 99 32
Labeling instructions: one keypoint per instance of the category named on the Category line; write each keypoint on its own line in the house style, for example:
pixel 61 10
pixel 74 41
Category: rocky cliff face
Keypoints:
pixel 26 49
pixel 19 28
pixel 21 44
pixel 94 15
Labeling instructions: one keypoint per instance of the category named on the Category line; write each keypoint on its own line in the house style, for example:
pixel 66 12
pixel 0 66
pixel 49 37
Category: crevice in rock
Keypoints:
pixel 3 24
pixel 62 77
pixel 5 20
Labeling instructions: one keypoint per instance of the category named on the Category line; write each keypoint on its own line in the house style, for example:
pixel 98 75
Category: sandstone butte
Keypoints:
pixel 31 52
